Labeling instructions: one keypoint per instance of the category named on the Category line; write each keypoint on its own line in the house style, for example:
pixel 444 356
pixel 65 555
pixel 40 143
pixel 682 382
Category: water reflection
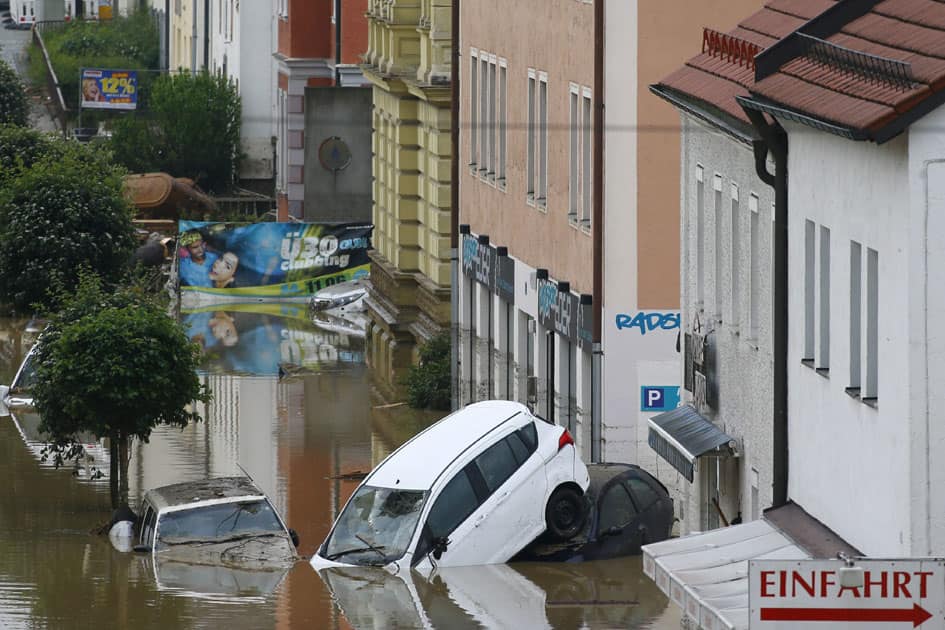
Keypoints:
pixel 296 410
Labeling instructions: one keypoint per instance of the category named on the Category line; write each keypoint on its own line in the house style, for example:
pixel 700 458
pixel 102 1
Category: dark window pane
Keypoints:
pixel 643 494
pixel 148 528
pixel 529 435
pixel 518 447
pixel 452 507
pixel 616 509
pixel 496 465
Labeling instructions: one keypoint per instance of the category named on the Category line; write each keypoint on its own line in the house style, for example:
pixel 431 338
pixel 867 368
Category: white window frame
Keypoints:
pixel 473 109
pixel 541 192
pixel 810 274
pixel 700 236
pixel 574 153
pixel 754 270
pixel 823 301
pixel 870 391
pixel 719 214
pixel 483 114
pixel 736 254
pixel 531 144
pixel 587 158
pixel 503 81
pixel 856 315
pixel 493 126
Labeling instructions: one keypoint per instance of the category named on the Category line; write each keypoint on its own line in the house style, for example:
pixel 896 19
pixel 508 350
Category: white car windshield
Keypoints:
pixel 224 521
pixel 376 526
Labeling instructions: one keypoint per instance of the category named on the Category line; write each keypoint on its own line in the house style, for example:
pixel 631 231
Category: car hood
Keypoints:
pixel 251 552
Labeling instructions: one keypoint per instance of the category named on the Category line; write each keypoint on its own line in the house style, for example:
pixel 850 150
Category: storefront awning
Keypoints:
pixel 682 435
pixel 707 574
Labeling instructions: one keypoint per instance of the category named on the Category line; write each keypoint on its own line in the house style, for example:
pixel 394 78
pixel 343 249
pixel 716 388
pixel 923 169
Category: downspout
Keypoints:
pixel 454 206
pixel 193 42
pixel 337 42
pixel 597 232
pixel 774 141
pixel 206 34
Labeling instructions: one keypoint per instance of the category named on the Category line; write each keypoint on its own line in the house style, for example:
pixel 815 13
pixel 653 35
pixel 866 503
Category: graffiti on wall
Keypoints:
pixel 645 322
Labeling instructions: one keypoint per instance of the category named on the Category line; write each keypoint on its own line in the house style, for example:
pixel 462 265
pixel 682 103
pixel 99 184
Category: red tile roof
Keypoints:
pixel 867 66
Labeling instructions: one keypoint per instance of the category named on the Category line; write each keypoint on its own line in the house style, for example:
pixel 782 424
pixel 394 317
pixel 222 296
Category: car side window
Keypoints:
pixel 147 526
pixel 643 494
pixel 497 464
pixel 519 450
pixel 616 508
pixel 454 505
pixel 529 435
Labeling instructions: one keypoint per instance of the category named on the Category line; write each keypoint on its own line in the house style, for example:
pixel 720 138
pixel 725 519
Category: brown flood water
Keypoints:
pixel 299 435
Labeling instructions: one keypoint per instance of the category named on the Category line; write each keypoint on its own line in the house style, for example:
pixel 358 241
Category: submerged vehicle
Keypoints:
pixel 227 521
pixel 474 488
pixel 17 395
pixel 340 299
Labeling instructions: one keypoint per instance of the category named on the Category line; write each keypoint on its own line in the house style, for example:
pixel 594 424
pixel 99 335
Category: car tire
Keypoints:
pixel 565 513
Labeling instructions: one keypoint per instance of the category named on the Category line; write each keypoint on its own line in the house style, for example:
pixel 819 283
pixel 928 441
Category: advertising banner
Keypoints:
pixel 109 89
pixel 270 260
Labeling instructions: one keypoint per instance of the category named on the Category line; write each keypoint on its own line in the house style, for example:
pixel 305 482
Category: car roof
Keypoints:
pixel 417 464
pixel 202 490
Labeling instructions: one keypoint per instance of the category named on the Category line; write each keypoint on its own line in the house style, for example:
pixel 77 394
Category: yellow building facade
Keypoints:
pixel 408 63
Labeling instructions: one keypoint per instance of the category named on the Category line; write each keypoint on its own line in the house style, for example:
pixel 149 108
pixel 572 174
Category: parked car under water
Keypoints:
pixel 227 521
pixel 474 488
pixel 628 507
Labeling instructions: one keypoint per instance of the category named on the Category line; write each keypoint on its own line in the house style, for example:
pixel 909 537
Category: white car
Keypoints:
pixel 474 488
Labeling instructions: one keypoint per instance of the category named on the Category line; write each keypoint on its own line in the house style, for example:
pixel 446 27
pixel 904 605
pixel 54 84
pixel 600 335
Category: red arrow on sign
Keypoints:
pixel 917 615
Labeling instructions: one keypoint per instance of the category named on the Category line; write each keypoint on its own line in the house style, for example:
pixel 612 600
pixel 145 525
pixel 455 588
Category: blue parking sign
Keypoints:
pixel 659 397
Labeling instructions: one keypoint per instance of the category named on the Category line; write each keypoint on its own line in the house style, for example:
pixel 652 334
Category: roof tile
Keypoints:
pixel 898 34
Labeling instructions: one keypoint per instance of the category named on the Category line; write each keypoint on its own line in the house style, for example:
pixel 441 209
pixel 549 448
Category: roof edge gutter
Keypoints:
pixel 774 141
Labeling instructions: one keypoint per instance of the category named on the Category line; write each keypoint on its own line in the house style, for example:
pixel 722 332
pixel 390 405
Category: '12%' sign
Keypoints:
pixel 829 594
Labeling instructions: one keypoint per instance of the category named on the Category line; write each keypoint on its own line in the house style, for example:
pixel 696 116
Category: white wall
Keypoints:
pixel 849 462
pixel 256 45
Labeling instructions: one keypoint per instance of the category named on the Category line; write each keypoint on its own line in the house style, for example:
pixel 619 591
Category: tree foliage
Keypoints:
pixel 65 212
pixel 115 365
pixel 20 148
pixel 428 382
pixel 14 105
pixel 191 129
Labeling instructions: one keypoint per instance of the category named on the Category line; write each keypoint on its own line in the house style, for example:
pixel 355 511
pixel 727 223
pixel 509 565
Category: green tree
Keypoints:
pixel 20 148
pixel 67 211
pixel 191 129
pixel 428 383
pixel 14 106
pixel 114 365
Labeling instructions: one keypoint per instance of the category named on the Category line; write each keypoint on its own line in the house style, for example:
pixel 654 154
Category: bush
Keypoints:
pixel 65 213
pixel 14 105
pixel 192 129
pixel 428 383
pixel 20 148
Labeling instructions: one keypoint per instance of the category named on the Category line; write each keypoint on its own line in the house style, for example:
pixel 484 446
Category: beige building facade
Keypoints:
pixel 408 65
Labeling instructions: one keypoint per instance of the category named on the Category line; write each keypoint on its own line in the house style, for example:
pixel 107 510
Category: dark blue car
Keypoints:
pixel 627 508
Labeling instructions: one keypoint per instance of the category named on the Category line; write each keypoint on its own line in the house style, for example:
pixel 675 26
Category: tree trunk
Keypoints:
pixel 123 458
pixel 113 470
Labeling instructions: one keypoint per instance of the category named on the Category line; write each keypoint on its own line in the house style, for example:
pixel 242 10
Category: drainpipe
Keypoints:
pixel 774 141
pixel 193 42
pixel 597 232
pixel 206 34
pixel 337 42
pixel 454 206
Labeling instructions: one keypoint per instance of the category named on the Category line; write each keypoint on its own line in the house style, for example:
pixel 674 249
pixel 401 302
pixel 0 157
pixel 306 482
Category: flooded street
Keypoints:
pixel 293 407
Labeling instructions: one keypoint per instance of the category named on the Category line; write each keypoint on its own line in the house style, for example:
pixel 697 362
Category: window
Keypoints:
pixel 616 508
pixel 503 113
pixel 496 464
pixel 754 277
pixel 717 187
pixel 872 325
pixel 736 256
pixel 541 194
pixel 700 235
pixel 483 114
pixel 284 9
pixel 643 493
pixel 529 435
pixel 856 301
pixel 809 234
pixel 824 300
pixel 490 163
pixel 574 195
pixel 519 449
pixel 147 529
pixel 454 505
pixel 587 186
pixel 530 158
pixel 473 109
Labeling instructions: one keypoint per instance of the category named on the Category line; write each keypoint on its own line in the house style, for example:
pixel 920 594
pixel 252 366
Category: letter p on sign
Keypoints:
pixel 659 398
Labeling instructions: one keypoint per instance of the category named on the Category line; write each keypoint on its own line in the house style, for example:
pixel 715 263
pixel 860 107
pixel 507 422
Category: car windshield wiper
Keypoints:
pixel 368 547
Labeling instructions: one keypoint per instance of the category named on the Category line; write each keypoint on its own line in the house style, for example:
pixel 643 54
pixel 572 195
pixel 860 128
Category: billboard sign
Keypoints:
pixel 108 89
pixel 863 593
pixel 270 260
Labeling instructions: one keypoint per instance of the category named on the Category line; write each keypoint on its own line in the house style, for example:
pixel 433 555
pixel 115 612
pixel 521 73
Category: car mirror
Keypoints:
pixel 141 548
pixel 439 546
pixel 294 536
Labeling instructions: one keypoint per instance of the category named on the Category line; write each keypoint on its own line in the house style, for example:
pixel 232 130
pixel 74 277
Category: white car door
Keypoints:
pixel 512 478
